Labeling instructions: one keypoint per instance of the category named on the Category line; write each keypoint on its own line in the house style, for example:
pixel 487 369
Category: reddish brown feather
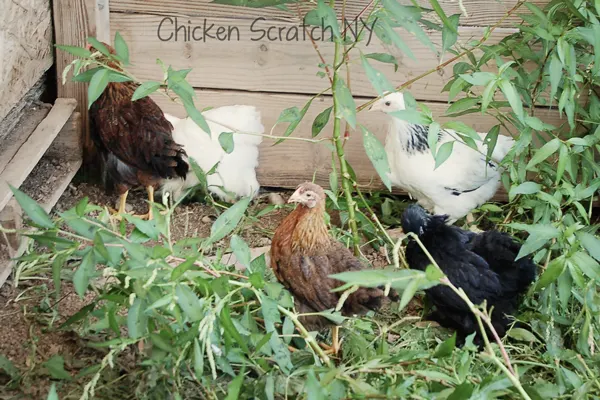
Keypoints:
pixel 303 255
pixel 137 133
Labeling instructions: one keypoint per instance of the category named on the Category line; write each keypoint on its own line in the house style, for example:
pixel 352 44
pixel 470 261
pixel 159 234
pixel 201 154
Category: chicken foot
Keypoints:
pixel 118 214
pixel 334 349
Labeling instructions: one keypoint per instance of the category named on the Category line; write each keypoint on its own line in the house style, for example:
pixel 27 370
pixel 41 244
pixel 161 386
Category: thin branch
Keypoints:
pixel 450 61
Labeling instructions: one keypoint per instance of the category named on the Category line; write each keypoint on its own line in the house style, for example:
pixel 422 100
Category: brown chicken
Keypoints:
pixel 303 255
pixel 134 139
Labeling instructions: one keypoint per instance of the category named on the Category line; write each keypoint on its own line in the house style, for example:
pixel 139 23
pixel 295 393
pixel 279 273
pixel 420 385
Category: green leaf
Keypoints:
pixel 412 116
pixel 462 392
pixel 512 96
pixel 323 16
pixel 97 85
pixel 81 277
pixel 387 34
pixel 462 128
pixel 230 328
pixel 241 251
pixel 313 388
pixel 145 89
pixel 524 188
pixel 376 153
pixel 543 153
pixel 478 78
pixel 346 107
pixel 87 75
pixel 555 75
pixel 443 153
pixel 462 105
pixel 74 50
pixel 490 141
pixel 52 394
pixel 227 221
pixel 226 141
pixel 137 325
pixel 523 335
pixel 586 264
pixel 56 368
pixel 591 243
pixel 446 348
pixel 198 360
pixel 32 209
pixel 450 32
pixel 196 115
pixel 433 137
pixel 121 48
pixel 450 25
pixel 9 368
pixel 189 303
pixel 148 228
pixel 182 268
pixel 379 81
pixel 488 94
pixel 532 244
pixel 384 58
pixel 320 121
pixel 98 45
pixel 235 386
pixel 296 121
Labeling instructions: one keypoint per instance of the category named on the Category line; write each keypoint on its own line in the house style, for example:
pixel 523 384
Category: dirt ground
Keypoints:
pixel 25 311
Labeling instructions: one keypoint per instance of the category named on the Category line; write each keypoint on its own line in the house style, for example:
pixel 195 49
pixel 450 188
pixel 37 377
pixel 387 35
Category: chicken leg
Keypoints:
pixel 122 203
pixel 149 216
pixel 334 349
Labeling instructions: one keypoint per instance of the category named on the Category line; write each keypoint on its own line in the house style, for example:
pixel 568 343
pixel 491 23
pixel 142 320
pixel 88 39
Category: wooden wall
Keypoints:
pixel 274 75
pixel 25 49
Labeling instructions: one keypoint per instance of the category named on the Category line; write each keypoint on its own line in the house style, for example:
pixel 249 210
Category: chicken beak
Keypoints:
pixel 373 107
pixel 295 198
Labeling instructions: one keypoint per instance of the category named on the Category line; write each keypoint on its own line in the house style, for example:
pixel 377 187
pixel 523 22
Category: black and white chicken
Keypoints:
pixel 482 264
pixel 462 183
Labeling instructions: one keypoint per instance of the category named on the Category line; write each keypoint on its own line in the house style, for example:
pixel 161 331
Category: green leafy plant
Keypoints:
pixel 204 330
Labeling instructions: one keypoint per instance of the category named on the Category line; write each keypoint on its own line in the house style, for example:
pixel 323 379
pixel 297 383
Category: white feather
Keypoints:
pixel 236 171
pixel 465 171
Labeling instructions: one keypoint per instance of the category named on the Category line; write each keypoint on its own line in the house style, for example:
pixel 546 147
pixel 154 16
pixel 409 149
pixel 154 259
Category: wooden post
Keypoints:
pixel 11 217
pixel 74 21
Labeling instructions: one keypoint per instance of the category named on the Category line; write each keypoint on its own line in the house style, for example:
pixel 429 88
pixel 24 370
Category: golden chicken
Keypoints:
pixel 135 140
pixel 303 255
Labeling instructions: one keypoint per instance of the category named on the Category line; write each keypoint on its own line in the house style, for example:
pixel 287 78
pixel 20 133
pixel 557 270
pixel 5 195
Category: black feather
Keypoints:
pixel 483 265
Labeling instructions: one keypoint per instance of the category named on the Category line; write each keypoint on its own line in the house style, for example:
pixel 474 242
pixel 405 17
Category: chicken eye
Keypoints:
pixel 388 103
pixel 309 195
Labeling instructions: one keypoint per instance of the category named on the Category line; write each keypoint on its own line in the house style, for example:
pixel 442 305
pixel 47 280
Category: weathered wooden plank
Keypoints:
pixel 36 145
pixel 25 48
pixel 245 63
pixel 74 21
pixel 293 161
pixel 480 12
pixel 7 266
pixel 15 139
pixel 67 144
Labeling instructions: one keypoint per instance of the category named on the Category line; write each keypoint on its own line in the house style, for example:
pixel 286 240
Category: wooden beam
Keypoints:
pixel 74 21
pixel 281 66
pixel 32 150
pixel 480 12
pixel 291 162
pixel 26 49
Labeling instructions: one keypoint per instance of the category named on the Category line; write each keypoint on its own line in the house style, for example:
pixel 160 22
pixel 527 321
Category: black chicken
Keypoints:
pixel 482 264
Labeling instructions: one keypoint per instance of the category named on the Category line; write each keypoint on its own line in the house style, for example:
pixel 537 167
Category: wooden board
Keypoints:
pixel 292 162
pixel 74 20
pixel 25 48
pixel 15 139
pixel 32 150
pixel 480 12
pixel 73 166
pixel 275 66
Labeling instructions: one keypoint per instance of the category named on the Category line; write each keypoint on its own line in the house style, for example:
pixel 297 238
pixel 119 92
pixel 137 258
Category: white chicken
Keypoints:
pixel 235 176
pixel 463 182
